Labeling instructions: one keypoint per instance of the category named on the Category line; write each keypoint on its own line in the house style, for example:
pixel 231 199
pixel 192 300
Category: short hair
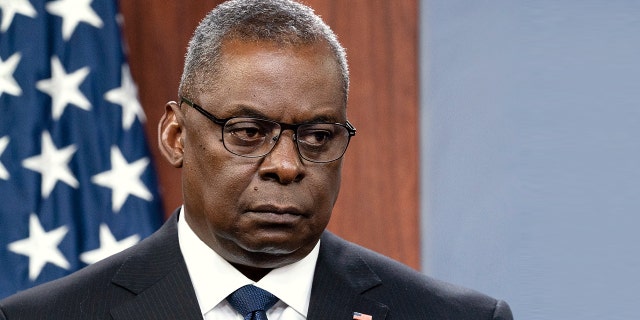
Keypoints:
pixel 277 21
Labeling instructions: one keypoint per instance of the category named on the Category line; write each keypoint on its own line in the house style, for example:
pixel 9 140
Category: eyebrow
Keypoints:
pixel 246 111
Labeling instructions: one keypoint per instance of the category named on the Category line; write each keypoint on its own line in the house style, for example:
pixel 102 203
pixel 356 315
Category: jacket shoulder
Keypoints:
pixel 92 290
pixel 63 298
pixel 409 293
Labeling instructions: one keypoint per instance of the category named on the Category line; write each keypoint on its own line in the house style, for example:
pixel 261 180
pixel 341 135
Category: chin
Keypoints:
pixel 272 248
pixel 269 249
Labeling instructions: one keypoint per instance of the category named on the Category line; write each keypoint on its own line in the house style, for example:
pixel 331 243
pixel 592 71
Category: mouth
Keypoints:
pixel 276 214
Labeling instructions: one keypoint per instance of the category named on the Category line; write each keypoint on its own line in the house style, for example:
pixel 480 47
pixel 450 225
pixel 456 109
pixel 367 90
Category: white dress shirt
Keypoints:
pixel 214 278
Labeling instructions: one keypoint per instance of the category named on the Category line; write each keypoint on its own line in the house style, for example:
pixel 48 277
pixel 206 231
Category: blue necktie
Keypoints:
pixel 252 302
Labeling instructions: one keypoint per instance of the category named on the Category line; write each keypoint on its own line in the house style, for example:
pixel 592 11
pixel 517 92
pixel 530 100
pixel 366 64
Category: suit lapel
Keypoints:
pixel 158 276
pixel 340 280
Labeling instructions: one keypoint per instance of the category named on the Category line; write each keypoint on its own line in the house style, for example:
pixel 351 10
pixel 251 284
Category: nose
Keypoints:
pixel 283 164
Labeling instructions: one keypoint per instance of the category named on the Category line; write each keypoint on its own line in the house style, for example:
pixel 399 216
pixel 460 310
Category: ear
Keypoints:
pixel 170 134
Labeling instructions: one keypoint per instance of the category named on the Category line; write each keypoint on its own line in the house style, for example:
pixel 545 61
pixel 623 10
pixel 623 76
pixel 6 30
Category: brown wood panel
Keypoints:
pixel 157 33
pixel 378 204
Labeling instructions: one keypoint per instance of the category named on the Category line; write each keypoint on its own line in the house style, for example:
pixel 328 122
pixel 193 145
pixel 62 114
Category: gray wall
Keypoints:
pixel 530 114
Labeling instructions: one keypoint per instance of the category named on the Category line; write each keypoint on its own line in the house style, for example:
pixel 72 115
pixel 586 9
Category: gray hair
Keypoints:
pixel 278 21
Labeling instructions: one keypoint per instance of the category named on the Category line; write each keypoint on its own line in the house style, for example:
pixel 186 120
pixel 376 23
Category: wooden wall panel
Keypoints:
pixel 157 33
pixel 378 204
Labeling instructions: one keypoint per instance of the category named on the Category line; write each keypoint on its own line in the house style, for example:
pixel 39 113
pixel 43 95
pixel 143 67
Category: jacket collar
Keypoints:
pixel 157 275
pixel 340 281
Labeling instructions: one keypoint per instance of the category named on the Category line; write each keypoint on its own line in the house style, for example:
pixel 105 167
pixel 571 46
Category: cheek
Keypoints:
pixel 326 189
pixel 333 179
pixel 211 174
pixel 218 178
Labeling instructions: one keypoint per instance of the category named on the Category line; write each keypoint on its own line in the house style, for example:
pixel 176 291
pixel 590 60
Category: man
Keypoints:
pixel 259 132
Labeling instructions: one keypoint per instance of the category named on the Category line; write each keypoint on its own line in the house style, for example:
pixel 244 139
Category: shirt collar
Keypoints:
pixel 214 278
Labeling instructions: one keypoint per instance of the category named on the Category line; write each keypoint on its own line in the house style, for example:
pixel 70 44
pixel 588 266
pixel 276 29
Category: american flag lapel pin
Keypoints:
pixel 361 316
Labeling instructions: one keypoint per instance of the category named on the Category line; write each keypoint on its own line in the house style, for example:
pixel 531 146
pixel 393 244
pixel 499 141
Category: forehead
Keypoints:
pixel 276 80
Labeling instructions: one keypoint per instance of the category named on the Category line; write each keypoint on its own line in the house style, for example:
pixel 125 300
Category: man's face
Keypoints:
pixel 260 212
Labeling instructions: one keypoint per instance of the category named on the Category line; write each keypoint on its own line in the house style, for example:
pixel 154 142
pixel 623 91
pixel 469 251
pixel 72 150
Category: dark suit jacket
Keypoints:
pixel 151 281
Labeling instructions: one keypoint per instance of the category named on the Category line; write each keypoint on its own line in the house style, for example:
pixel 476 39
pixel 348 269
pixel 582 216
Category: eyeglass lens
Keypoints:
pixel 317 142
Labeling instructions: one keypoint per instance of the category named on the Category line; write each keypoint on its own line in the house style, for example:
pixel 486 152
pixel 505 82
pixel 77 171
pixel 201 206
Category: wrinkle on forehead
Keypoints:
pixel 268 79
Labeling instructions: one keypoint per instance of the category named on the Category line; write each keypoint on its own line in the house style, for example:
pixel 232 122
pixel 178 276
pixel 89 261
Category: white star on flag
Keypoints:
pixel 69 115
pixel 127 97
pixel 4 142
pixel 11 7
pixel 64 88
pixel 7 83
pixel 123 179
pixel 108 246
pixel 41 247
pixel 73 12
pixel 52 163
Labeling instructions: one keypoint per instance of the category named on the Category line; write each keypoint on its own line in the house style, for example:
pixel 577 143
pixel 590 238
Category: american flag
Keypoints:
pixel 361 316
pixel 76 178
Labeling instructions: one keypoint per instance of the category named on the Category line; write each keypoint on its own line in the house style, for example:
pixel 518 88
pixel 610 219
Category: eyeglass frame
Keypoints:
pixel 351 130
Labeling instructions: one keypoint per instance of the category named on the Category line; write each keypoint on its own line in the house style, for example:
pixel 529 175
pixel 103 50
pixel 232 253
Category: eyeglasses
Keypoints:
pixel 255 137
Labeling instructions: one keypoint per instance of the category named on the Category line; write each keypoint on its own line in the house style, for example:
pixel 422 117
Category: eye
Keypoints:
pixel 247 131
pixel 316 135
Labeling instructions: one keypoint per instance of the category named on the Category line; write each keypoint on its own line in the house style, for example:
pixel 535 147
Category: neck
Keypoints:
pixel 255 274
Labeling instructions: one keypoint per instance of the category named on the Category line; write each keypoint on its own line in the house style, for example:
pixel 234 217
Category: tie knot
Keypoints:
pixel 249 299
